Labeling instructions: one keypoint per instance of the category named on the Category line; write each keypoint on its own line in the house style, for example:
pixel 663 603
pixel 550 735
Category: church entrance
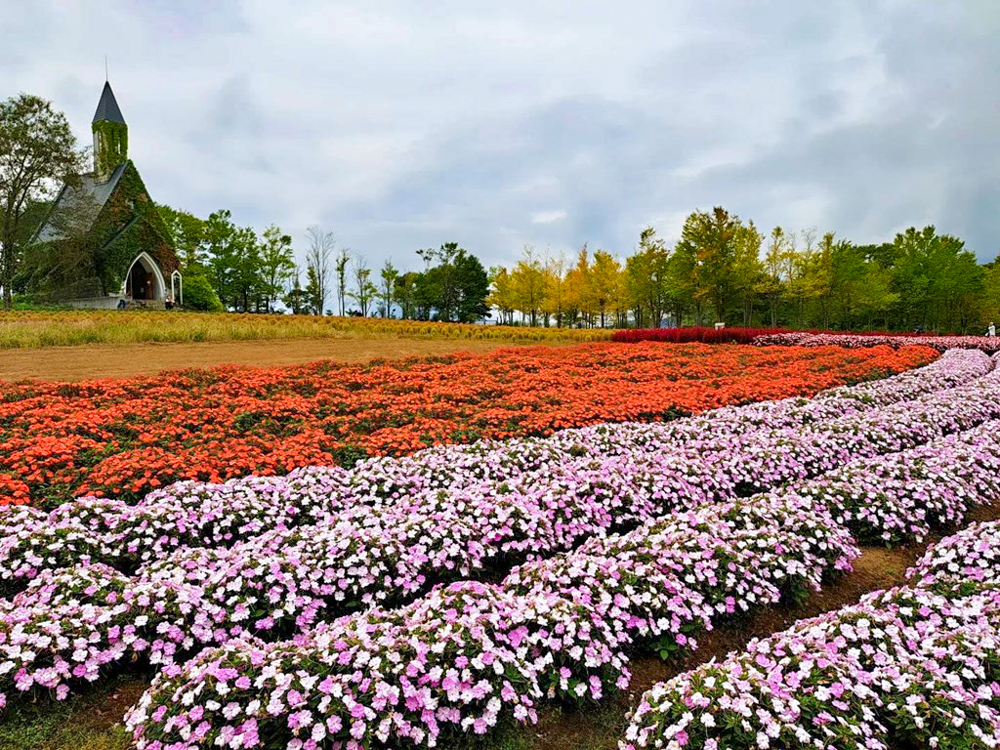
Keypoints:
pixel 144 281
pixel 139 284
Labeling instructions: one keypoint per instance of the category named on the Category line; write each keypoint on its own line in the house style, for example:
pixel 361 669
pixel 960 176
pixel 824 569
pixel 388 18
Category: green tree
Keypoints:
pixel 365 290
pixel 296 299
pixel 748 270
pixel 472 288
pixel 647 280
pixel 199 294
pixel 605 280
pixel 340 271
pixel 938 281
pixel 314 293
pixel 455 289
pixel 875 296
pixel 774 277
pixel 709 238
pixel 188 233
pixel 277 262
pixel 37 152
pixel 405 294
pixel 233 260
pixel 388 275
pixel 991 293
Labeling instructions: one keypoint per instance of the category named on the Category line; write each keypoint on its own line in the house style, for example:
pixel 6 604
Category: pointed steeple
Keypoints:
pixel 107 108
pixel 110 136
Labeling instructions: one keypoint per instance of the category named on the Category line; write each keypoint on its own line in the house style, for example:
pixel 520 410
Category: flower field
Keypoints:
pixel 687 335
pixel 779 337
pixel 418 600
pixel 123 438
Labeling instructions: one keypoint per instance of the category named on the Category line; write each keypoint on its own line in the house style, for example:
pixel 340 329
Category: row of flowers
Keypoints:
pixel 123 438
pixel 910 667
pixel 470 656
pixel 780 337
pixel 452 512
pixel 700 334
pixel 989 344
pixel 970 558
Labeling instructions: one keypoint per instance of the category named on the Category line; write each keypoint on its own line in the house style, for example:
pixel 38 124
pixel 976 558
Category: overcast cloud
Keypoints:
pixel 402 125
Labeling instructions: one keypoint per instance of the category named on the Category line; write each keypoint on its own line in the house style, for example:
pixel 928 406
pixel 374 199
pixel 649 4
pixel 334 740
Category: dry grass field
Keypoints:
pixel 32 330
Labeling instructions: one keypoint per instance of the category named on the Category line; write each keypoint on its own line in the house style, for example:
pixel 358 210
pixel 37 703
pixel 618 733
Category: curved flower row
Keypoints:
pixel 970 557
pixel 465 509
pixel 913 666
pixel 470 655
pixel 990 344
pixel 902 496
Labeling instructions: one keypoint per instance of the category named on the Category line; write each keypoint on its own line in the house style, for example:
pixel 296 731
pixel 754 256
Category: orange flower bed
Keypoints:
pixel 125 437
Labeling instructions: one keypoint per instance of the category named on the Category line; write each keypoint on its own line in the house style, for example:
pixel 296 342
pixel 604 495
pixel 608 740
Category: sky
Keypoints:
pixel 403 125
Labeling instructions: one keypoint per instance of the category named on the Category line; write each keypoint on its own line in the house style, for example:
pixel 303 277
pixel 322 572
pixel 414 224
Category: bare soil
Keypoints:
pixel 123 360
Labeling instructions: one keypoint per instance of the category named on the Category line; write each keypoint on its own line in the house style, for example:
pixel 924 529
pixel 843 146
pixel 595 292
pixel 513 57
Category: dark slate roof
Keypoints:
pixel 75 196
pixel 107 108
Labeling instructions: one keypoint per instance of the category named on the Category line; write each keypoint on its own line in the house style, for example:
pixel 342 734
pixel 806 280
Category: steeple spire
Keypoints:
pixel 110 136
pixel 107 108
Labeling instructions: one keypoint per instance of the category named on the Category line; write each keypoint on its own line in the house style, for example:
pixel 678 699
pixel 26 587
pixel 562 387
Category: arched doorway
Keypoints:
pixel 144 280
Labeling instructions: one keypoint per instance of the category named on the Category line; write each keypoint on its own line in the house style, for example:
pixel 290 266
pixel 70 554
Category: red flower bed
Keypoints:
pixel 686 335
pixel 125 437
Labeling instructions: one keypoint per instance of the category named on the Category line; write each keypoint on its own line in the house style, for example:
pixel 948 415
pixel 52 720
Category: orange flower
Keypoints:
pixel 125 437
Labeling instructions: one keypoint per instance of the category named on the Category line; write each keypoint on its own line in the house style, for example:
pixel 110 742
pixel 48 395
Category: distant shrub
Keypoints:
pixel 199 295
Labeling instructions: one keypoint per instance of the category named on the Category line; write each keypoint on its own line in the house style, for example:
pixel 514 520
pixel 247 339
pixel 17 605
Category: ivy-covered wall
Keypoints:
pixel 110 147
pixel 97 263
pixel 115 248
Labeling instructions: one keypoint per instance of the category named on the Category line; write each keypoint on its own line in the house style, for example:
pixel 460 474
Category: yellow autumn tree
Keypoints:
pixel 528 281
pixel 605 279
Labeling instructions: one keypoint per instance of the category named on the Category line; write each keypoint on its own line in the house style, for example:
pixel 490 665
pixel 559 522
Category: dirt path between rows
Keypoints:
pixel 122 360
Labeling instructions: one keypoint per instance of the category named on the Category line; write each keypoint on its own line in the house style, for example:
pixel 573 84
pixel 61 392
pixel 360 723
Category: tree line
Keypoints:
pixel 723 269
pixel 250 272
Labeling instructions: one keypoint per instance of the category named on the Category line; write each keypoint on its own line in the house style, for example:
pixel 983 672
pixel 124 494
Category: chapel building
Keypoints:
pixel 103 243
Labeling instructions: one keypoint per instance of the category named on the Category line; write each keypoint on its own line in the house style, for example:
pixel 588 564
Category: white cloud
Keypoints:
pixel 547 217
